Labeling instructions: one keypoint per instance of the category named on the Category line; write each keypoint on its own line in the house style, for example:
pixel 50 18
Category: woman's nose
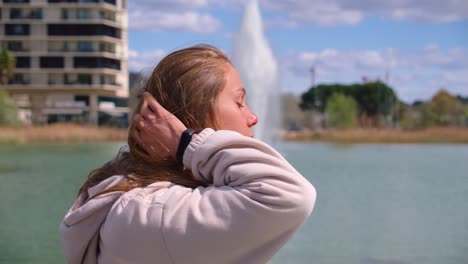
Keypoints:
pixel 252 120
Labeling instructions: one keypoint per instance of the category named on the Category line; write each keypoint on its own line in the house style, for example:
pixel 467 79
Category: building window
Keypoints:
pixel 112 2
pixel 82 13
pixel 16 13
pixel 17 29
pixel 64 13
pixel 23 62
pixel 96 62
pixel 36 13
pixel 18 78
pixel 15 1
pixel 85 46
pixel 106 47
pixel 85 79
pixel 15 46
pixel 52 62
pixel 83 30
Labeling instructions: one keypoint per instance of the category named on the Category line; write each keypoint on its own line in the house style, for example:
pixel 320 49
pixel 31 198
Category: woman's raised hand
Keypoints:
pixel 158 131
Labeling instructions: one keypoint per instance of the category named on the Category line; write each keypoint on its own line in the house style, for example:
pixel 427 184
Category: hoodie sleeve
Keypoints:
pixel 256 202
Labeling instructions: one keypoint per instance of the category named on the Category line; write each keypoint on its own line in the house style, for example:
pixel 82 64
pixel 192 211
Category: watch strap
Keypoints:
pixel 185 140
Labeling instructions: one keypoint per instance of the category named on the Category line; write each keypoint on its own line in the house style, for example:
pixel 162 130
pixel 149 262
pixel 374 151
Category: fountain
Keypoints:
pixel 258 69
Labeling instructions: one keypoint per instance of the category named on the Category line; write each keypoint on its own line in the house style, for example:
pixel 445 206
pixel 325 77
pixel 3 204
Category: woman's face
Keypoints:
pixel 231 110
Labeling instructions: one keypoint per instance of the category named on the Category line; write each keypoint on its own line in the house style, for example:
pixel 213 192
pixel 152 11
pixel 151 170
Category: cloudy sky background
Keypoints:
pixel 417 46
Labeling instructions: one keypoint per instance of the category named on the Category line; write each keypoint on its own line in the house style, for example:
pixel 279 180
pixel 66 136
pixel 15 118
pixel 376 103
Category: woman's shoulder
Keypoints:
pixel 153 194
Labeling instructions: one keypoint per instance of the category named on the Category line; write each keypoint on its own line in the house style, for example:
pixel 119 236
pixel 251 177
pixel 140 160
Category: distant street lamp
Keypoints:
pixel 312 76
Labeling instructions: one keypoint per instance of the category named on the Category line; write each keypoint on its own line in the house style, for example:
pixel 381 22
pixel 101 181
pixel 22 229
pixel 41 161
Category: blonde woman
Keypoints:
pixel 195 186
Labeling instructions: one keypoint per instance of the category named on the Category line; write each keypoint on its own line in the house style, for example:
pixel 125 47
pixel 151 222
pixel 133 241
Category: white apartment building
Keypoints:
pixel 71 58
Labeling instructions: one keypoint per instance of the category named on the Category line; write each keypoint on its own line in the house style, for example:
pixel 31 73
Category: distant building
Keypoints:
pixel 71 58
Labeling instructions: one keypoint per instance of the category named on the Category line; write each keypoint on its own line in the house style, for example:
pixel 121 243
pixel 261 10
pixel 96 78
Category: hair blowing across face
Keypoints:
pixel 186 83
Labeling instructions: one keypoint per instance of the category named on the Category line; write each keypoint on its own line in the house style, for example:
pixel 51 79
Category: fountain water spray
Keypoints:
pixel 258 69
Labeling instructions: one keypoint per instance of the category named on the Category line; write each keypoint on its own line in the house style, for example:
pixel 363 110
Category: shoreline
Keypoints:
pixel 382 136
pixel 60 133
pixel 72 133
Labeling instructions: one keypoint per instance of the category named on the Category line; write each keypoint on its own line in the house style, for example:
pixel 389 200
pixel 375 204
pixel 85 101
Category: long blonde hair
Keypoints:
pixel 186 83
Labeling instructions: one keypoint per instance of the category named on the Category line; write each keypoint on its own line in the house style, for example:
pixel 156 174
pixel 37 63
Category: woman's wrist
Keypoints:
pixel 185 139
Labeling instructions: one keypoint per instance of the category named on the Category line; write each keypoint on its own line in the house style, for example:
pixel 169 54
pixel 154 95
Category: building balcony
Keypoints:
pixel 18 49
pixel 19 82
pixel 80 83
pixel 27 87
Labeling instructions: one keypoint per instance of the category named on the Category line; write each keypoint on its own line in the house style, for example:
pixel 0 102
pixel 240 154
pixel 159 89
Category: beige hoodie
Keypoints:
pixel 256 202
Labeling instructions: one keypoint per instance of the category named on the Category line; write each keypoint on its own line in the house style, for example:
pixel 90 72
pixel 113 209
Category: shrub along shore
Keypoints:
pixel 72 133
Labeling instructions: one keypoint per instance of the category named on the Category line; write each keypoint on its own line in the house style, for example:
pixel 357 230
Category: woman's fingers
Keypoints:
pixel 153 106
pixel 139 140
pixel 144 136
pixel 159 130
pixel 137 118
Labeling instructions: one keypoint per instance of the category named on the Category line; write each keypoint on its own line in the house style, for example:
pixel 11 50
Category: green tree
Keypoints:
pixel 464 119
pixel 8 110
pixel 341 111
pixel 7 65
pixel 445 108
pixel 373 98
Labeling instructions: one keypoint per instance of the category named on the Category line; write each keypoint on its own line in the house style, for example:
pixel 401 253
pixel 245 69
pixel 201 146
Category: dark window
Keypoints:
pixel 52 62
pixel 62 1
pixel 84 79
pixel 82 30
pixel 16 13
pixel 112 2
pixel 15 1
pixel 23 62
pixel 36 14
pixel 96 62
pixel 17 29
pixel 72 1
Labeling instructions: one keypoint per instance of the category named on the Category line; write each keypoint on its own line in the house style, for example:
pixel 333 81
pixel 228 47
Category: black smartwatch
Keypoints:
pixel 185 139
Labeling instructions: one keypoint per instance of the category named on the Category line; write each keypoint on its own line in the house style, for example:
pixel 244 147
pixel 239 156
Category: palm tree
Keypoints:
pixel 7 65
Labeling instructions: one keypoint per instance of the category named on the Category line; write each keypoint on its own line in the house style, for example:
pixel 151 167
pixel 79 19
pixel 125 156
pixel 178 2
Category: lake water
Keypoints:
pixel 382 204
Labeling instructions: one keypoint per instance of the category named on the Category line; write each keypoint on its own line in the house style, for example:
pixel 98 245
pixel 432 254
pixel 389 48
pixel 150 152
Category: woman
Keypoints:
pixel 216 196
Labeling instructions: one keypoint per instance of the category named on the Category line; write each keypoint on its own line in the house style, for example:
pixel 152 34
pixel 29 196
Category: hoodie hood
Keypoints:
pixel 79 230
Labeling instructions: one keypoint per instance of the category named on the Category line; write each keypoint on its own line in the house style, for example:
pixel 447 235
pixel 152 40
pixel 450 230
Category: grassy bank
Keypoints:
pixel 71 133
pixel 60 133
pixel 433 135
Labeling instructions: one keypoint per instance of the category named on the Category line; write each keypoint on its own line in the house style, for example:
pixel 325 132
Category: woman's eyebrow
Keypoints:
pixel 241 90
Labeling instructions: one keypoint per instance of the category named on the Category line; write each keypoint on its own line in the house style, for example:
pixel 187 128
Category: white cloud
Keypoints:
pixel 167 5
pixel 165 21
pixel 144 61
pixel 172 15
pixel 414 74
pixel 349 12
pixel 199 15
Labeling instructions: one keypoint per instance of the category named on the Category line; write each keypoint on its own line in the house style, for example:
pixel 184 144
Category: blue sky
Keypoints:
pixel 418 46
